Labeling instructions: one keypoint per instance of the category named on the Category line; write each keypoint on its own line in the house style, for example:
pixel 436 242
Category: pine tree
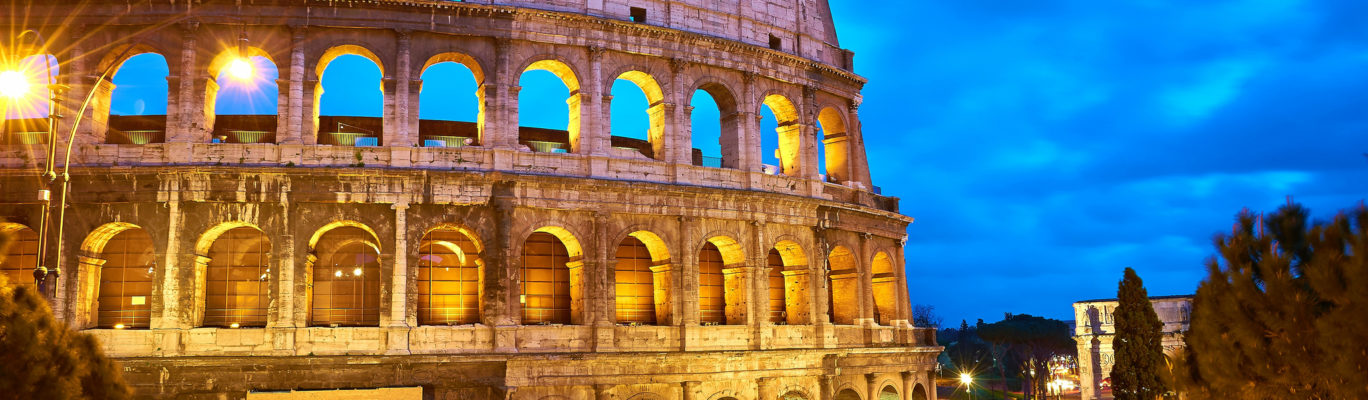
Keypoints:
pixel 1137 344
pixel 40 358
pixel 1284 313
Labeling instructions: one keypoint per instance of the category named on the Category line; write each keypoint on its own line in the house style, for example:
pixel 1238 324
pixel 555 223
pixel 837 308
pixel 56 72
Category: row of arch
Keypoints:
pixel 784 147
pixel 343 277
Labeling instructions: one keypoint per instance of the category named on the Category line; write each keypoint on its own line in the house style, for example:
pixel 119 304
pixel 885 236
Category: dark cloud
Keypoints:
pixel 1044 146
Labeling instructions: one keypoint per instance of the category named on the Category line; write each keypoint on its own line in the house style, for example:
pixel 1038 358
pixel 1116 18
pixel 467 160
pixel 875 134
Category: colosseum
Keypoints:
pixel 299 255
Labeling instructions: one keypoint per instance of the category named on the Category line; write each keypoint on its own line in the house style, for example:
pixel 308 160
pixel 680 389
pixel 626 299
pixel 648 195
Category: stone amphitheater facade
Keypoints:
pixel 218 264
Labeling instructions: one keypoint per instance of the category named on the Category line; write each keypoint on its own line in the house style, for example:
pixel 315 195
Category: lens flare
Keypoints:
pixel 14 84
pixel 240 69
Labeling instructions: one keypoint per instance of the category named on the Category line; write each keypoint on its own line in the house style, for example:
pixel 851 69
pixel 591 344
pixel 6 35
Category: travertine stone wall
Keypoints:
pixel 1094 333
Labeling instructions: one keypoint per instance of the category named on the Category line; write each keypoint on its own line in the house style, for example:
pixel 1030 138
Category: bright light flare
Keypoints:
pixel 14 84
pixel 966 379
pixel 240 69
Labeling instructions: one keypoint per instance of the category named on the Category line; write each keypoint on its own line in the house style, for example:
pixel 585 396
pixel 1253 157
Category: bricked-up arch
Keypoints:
pixel 885 285
pixel 790 134
pixel 792 298
pixel 572 84
pixel 342 133
pixel 237 279
pixel 22 256
pixel 642 277
pixel 919 393
pixel 450 277
pixel 836 145
pixel 844 287
pixel 729 139
pixel 117 270
pixel 655 110
pixel 440 69
pixel 546 256
pixel 344 270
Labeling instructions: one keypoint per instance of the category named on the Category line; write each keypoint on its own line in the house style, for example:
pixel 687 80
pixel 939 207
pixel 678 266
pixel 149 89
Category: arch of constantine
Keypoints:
pixel 255 256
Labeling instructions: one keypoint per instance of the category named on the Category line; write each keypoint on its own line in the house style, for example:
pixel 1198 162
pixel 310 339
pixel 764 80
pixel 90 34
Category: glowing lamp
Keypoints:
pixel 337 273
pixel 14 84
pixel 234 325
pixel 356 272
pixel 240 69
pixel 966 379
pixel 118 326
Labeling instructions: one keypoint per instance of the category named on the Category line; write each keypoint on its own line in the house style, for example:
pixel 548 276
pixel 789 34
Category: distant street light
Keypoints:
pixel 13 84
pixel 968 381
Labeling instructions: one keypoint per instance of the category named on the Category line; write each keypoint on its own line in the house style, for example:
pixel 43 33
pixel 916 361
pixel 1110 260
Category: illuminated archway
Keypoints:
pixel 345 276
pixel 788 135
pixel 720 288
pixel 885 285
pixel 121 284
pixel 22 256
pixel 244 95
pixel 546 139
pixel 789 281
pixel 835 145
pixel 889 393
pixel 450 277
pixel 451 96
pixel 351 115
pixel 641 279
pixel 552 270
pixel 237 279
pixel 844 287
pixel 847 394
pixel 137 105
pixel 716 126
pixel 919 392
pixel 654 110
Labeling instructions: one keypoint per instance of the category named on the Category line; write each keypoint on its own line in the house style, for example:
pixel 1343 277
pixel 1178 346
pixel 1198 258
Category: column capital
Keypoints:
pixel 595 53
pixel 678 64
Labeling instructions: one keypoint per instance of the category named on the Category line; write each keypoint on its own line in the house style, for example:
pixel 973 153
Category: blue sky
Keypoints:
pixel 1042 146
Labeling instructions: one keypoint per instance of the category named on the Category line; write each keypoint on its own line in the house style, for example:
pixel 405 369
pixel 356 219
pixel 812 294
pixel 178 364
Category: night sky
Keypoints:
pixel 1042 146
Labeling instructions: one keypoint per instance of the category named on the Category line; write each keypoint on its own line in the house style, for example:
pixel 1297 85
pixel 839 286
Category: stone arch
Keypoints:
pixel 835 144
pixel 789 279
pixel 889 392
pixel 919 393
pixel 884 281
pixel 655 106
pixel 326 59
pixel 241 130
pixel 795 393
pixel 457 57
pixel 130 277
pixel 551 270
pixel 847 394
pixel 642 276
pixel 844 287
pixel 343 298
pixel 237 279
pixel 207 238
pixel 789 131
pixel 449 278
pixel 731 139
pixel 201 264
pixel 726 395
pixel 721 287
pixel 439 136
pixel 115 57
pixel 339 50
pixel 561 69
pixel 646 396
pixel 100 108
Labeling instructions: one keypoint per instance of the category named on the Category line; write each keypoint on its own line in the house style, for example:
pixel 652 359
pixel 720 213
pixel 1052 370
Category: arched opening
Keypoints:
pixel 778 308
pixel 637 114
pixel 793 395
pixel 789 281
pixel 451 110
pixel 237 279
pixel 847 394
pixel 712 302
pixel 27 110
pixel 545 280
pixel 542 129
pixel 844 287
pixel 349 98
pixel 783 150
pixel 22 256
pixel 245 96
pixel 137 105
pixel 715 128
pixel 834 146
pixel 450 277
pixel 346 277
pixel 641 276
pixel 889 393
pixel 919 392
pixel 885 285
pixel 125 281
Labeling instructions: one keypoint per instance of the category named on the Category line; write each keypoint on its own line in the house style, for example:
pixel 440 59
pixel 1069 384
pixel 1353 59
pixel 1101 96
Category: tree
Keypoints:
pixel 40 358
pixel 924 316
pixel 1138 346
pixel 1282 313
pixel 1030 342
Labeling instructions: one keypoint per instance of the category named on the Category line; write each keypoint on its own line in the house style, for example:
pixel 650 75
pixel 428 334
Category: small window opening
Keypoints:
pixel 776 43
pixel 638 15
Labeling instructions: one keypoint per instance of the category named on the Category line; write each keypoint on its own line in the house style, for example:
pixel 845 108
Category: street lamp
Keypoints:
pixel 968 381
pixel 13 84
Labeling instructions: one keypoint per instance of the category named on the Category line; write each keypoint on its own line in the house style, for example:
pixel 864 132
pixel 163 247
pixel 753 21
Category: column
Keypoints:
pixel 904 303
pixel 397 102
pixel 872 383
pixel 184 88
pixel 758 306
pixel 292 117
pixel 807 118
pixel 678 143
pixel 858 161
pixel 500 296
pixel 601 287
pixel 165 317
pixel 687 264
pixel 501 96
pixel 690 390
pixel 398 307
pixel 865 276
pixel 820 298
pixel 766 388
pixel 594 136
pixel 88 283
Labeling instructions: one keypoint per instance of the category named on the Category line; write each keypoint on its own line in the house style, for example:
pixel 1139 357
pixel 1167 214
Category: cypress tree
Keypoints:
pixel 1137 344
pixel 1283 314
